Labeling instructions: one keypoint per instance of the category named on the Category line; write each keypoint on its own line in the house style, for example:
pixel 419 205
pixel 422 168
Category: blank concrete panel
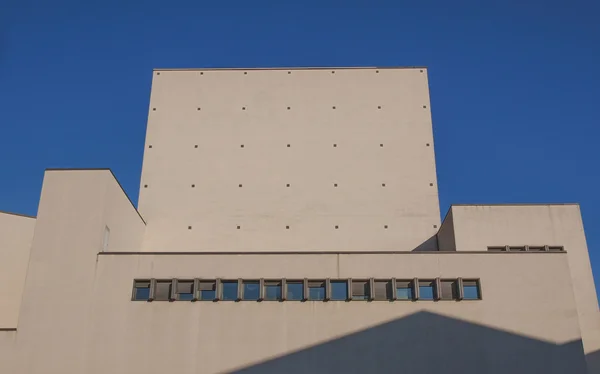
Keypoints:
pixel 250 108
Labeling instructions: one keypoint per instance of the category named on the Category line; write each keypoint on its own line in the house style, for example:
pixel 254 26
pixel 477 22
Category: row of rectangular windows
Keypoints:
pixel 526 248
pixel 305 290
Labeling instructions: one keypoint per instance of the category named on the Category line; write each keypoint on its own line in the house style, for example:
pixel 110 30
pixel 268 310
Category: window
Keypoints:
pixel 426 289
pixel 496 249
pixel 471 290
pixel 207 290
pixel 163 290
pixel 540 248
pixel 360 290
pixel 556 248
pixel 230 290
pixel 273 290
pixel 448 290
pixel 516 248
pixel 295 290
pixel 185 290
pixel 316 290
pixel 404 290
pixel 141 290
pixel 339 290
pixel 383 290
pixel 251 290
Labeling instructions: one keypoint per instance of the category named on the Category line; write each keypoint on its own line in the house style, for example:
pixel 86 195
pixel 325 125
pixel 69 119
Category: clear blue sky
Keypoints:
pixel 515 88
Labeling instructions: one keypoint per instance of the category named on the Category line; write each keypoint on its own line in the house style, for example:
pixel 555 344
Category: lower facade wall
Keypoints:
pixel 525 323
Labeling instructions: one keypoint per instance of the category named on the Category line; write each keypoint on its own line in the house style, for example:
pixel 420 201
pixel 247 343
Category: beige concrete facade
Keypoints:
pixel 69 305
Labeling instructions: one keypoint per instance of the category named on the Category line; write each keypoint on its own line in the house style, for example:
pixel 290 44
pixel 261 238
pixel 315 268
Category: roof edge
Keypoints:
pixel 516 204
pixel 292 68
pixel 113 175
pixel 17 214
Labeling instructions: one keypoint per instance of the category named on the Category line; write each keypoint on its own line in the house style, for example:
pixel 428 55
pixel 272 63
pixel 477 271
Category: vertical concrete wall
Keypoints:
pixel 534 330
pixel 477 227
pixel 445 236
pixel 263 150
pixel 75 208
pixel 16 233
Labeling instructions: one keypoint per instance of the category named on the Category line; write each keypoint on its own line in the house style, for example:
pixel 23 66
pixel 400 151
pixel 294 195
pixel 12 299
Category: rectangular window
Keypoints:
pixel 360 289
pixel 251 290
pixel 516 248
pixel 449 289
pixel 539 248
pixel 426 289
pixel 339 290
pixel 273 290
pixel 556 248
pixel 295 290
pixel 496 249
pixel 471 290
pixel 404 290
pixel 383 290
pixel 185 290
pixel 207 290
pixel 163 290
pixel 141 290
pixel 316 290
pixel 230 290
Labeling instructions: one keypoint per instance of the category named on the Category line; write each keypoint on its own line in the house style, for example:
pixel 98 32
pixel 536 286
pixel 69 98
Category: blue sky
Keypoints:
pixel 515 87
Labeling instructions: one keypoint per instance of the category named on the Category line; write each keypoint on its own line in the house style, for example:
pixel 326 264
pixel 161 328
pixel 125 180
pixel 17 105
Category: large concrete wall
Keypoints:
pixel 16 233
pixel 526 322
pixel 75 208
pixel 479 226
pixel 381 129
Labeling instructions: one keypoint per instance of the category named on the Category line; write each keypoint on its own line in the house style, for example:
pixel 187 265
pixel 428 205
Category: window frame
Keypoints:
pixel 432 283
pixel 388 283
pixel 343 282
pixel 198 282
pixel 308 288
pixel 175 294
pixel 134 290
pixel 454 289
pixel 410 286
pixel 222 284
pixel 477 286
pixel 270 283
pixel 157 282
pixel 295 282
pixel 366 288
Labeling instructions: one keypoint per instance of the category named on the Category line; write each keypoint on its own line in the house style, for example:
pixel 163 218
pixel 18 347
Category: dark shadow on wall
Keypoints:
pixel 428 245
pixel 427 343
pixel 593 362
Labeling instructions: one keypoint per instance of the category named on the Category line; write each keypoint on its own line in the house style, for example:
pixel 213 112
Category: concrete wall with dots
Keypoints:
pixel 289 160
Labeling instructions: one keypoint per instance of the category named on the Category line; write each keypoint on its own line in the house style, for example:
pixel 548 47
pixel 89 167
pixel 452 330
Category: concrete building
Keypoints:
pixel 288 222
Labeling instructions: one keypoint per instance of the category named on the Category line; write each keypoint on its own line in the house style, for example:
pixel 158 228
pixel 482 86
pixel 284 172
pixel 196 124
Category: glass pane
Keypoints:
pixel 470 292
pixel 186 296
pixel 163 291
pixel 295 291
pixel 208 294
pixel 383 290
pixel 251 290
pixel 142 293
pixel 273 292
pixel 316 293
pixel 449 290
pixel 230 290
pixel 185 286
pixel 404 293
pixel 360 290
pixel 426 291
pixel 339 290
